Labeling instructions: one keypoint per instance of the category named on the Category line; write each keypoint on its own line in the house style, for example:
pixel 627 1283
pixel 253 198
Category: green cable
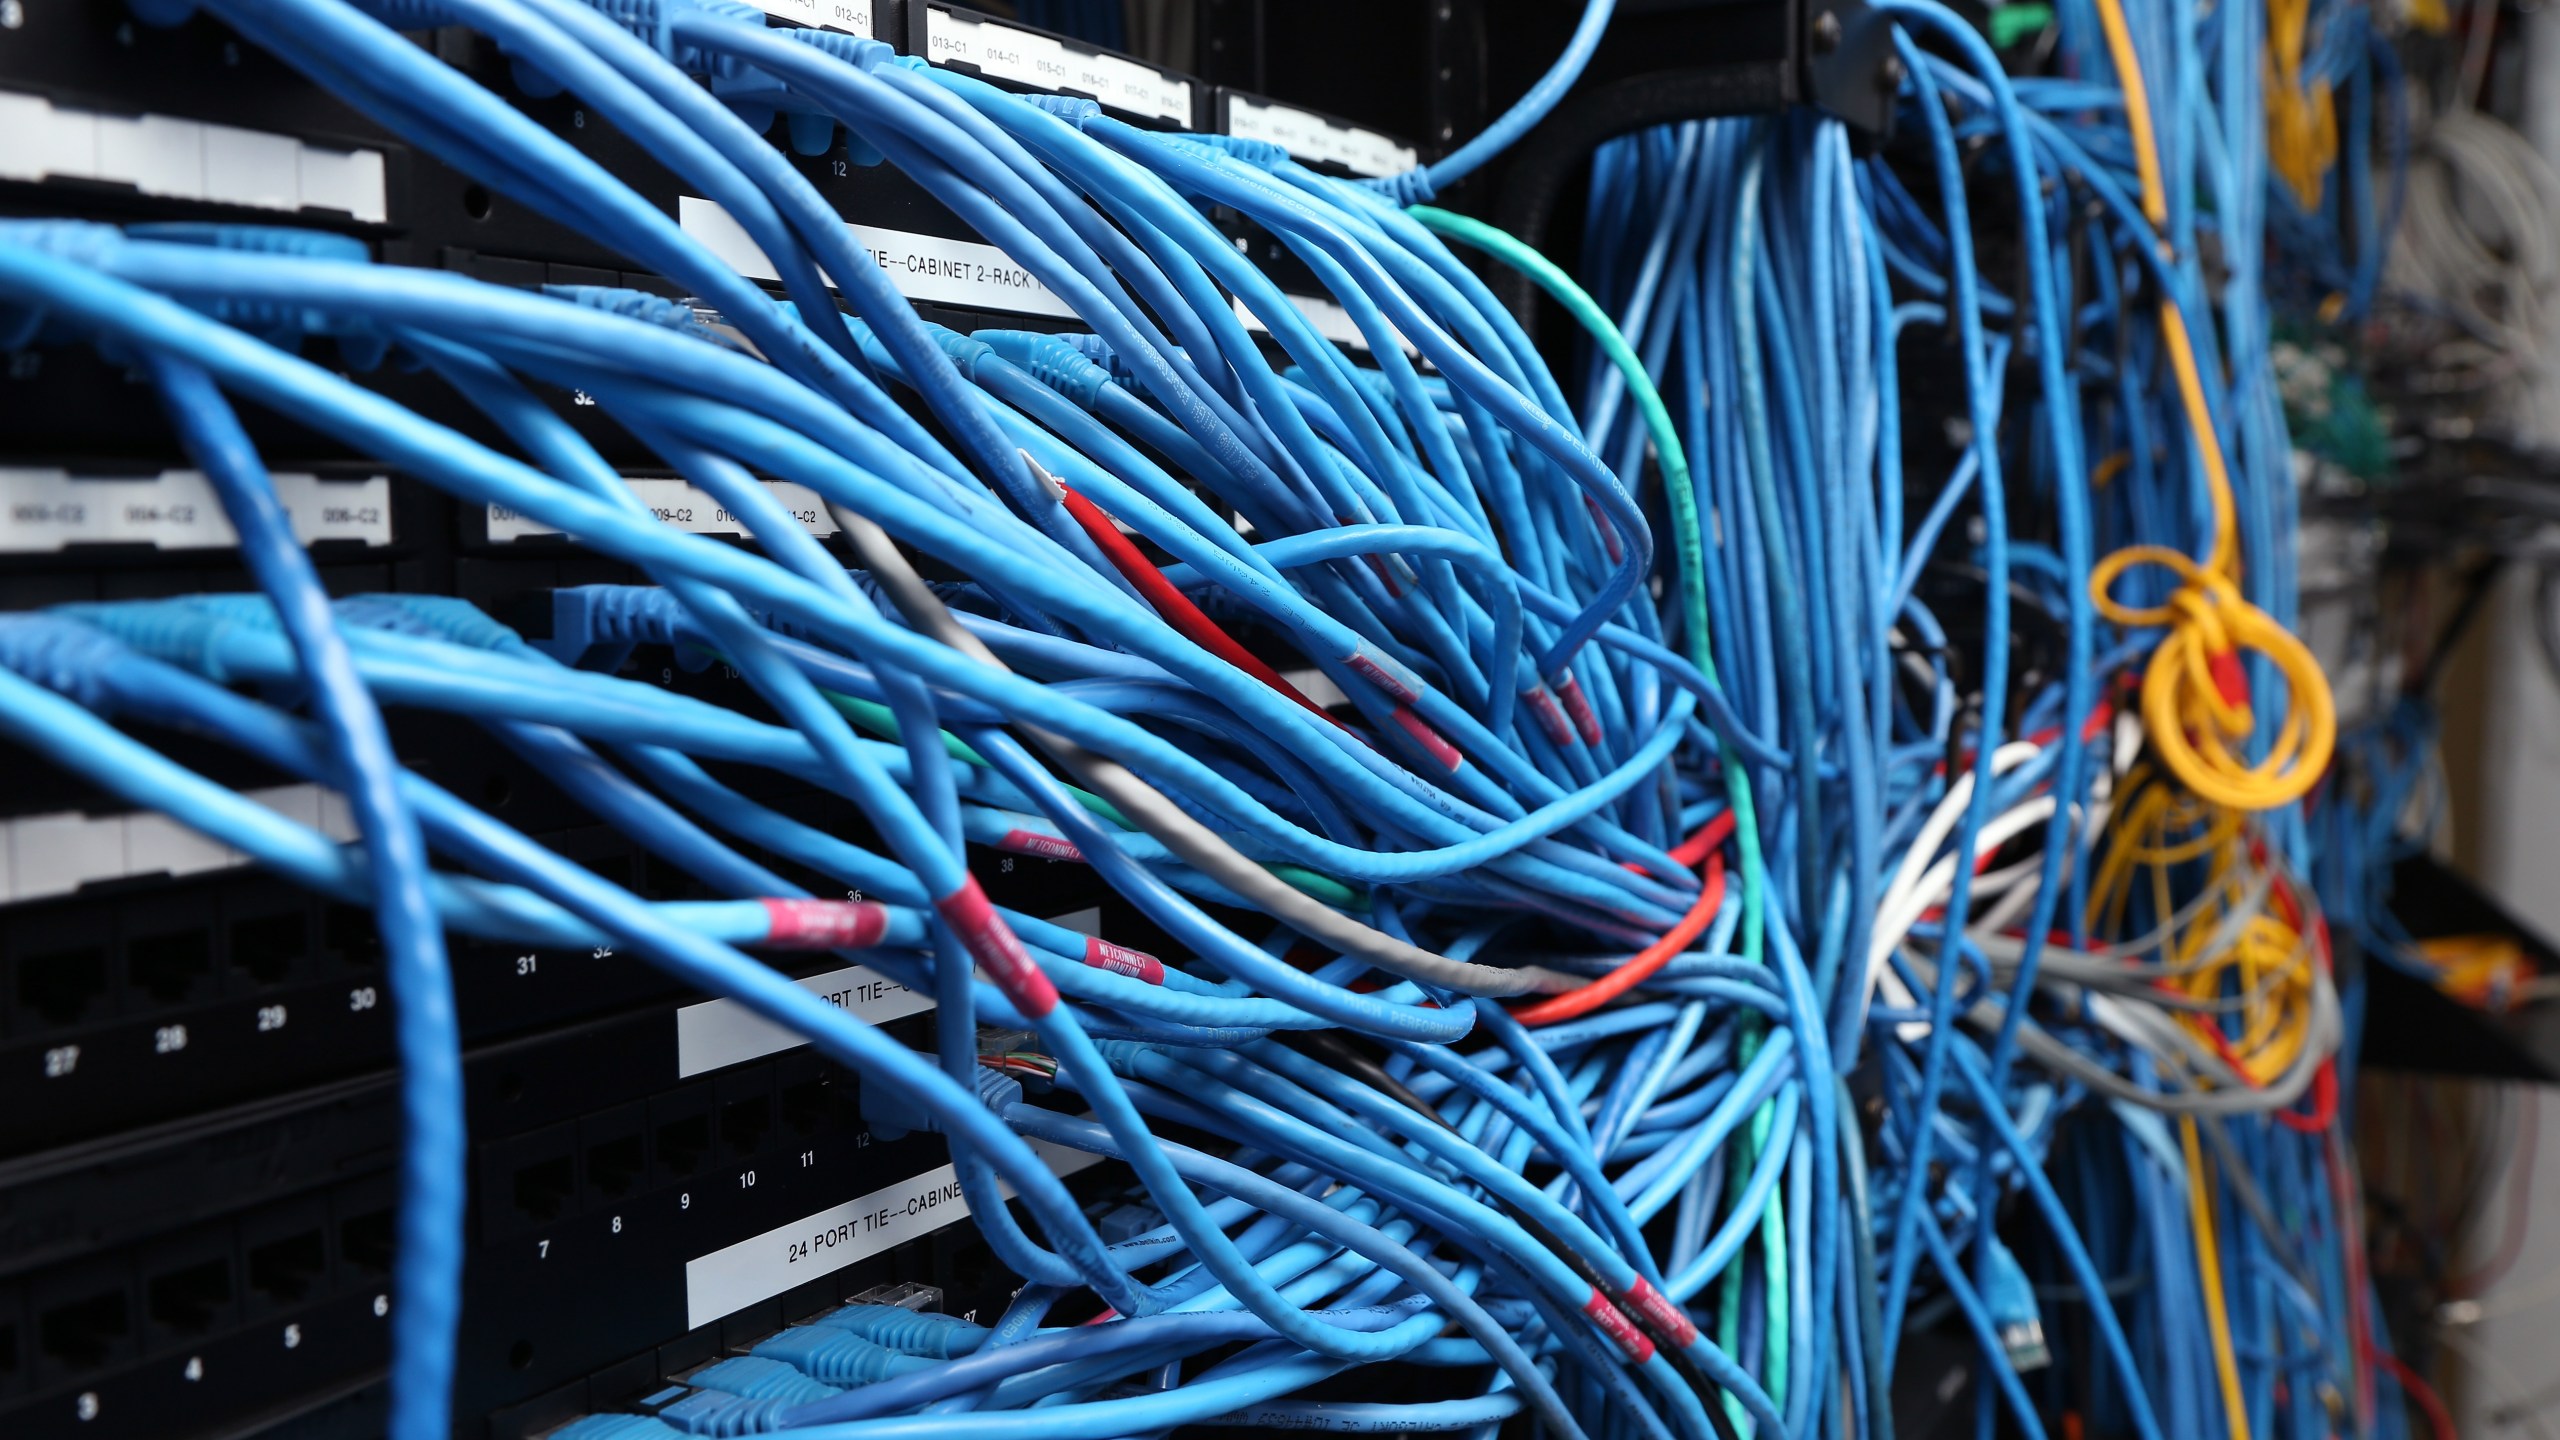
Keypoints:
pixel 875 717
pixel 1519 255
pixel 1689 539
pixel 2010 24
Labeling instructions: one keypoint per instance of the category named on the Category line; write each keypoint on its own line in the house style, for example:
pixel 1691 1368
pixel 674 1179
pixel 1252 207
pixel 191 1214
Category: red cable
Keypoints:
pixel 1639 967
pixel 1171 603
pixel 2342 1196
pixel 2324 1103
pixel 1708 837
pixel 2439 1419
pixel 2222 1047
pixel 1700 846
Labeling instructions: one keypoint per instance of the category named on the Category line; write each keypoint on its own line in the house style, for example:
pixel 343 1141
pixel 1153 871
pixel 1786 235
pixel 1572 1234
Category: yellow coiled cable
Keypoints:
pixel 2195 700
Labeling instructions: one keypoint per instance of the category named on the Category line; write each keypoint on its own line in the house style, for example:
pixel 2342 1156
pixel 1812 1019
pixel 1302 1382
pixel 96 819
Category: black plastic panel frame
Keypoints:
pixel 2410 1025
pixel 184 1280
pixel 1665 61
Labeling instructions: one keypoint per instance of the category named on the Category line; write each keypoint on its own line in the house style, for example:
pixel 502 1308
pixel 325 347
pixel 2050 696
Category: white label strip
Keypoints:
pixel 853 17
pixel 187 159
pixel 729 1280
pixel 1310 136
pixel 44 855
pixel 719 1033
pixel 1028 58
pixel 47 510
pixel 964 273
pixel 1329 319
pixel 678 503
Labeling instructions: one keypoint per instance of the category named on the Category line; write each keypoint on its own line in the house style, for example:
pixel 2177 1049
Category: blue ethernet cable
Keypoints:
pixel 414 92
pixel 1713 1102
pixel 76 740
pixel 348 407
pixel 427 1276
pixel 1423 182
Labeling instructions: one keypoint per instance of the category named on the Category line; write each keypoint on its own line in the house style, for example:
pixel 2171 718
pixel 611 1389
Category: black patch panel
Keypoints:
pixel 181 1278
pixel 151 999
pixel 197 1216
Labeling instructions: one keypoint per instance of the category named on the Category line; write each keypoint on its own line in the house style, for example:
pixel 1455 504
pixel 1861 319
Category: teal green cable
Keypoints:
pixel 1689 538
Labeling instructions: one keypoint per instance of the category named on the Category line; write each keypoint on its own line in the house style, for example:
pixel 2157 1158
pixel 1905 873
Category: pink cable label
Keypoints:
pixel 1549 715
pixel 1387 674
pixel 997 950
pixel 1377 563
pixel 1032 842
pixel 1619 1328
pixel 1428 738
pixel 1667 1317
pixel 1579 707
pixel 824 924
pixel 1608 532
pixel 1101 954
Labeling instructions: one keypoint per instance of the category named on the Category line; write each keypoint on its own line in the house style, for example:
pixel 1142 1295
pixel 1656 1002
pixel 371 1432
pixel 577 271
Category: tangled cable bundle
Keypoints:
pixel 1767 889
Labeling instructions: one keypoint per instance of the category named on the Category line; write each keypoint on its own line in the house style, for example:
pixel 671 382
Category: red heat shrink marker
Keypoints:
pixel 1044 847
pixel 1621 1329
pixel 1668 1318
pixel 992 944
pixel 1101 954
pixel 1432 741
pixel 824 924
pixel 1578 706
pixel 1550 716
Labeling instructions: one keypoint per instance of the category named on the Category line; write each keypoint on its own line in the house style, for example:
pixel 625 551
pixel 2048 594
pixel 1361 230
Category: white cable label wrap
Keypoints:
pixel 719 1033
pixel 1310 136
pixel 56 854
pixel 48 510
pixel 967 274
pixel 678 503
pixel 1327 317
pixel 853 17
pixel 1029 58
pixel 731 1279
pixel 164 155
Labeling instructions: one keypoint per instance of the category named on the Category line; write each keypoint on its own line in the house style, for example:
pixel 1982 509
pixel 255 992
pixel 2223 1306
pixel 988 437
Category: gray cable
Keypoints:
pixel 2174 1046
pixel 1198 846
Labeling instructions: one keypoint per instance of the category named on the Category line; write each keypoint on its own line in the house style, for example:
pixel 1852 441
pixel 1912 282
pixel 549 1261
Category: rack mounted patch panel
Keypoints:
pixel 196 1197
pixel 189 1278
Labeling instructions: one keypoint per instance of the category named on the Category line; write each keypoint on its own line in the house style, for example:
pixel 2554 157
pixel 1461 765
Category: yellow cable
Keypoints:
pixel 2137 113
pixel 2209 1270
pixel 2195 702
pixel 2302 119
pixel 2224 946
